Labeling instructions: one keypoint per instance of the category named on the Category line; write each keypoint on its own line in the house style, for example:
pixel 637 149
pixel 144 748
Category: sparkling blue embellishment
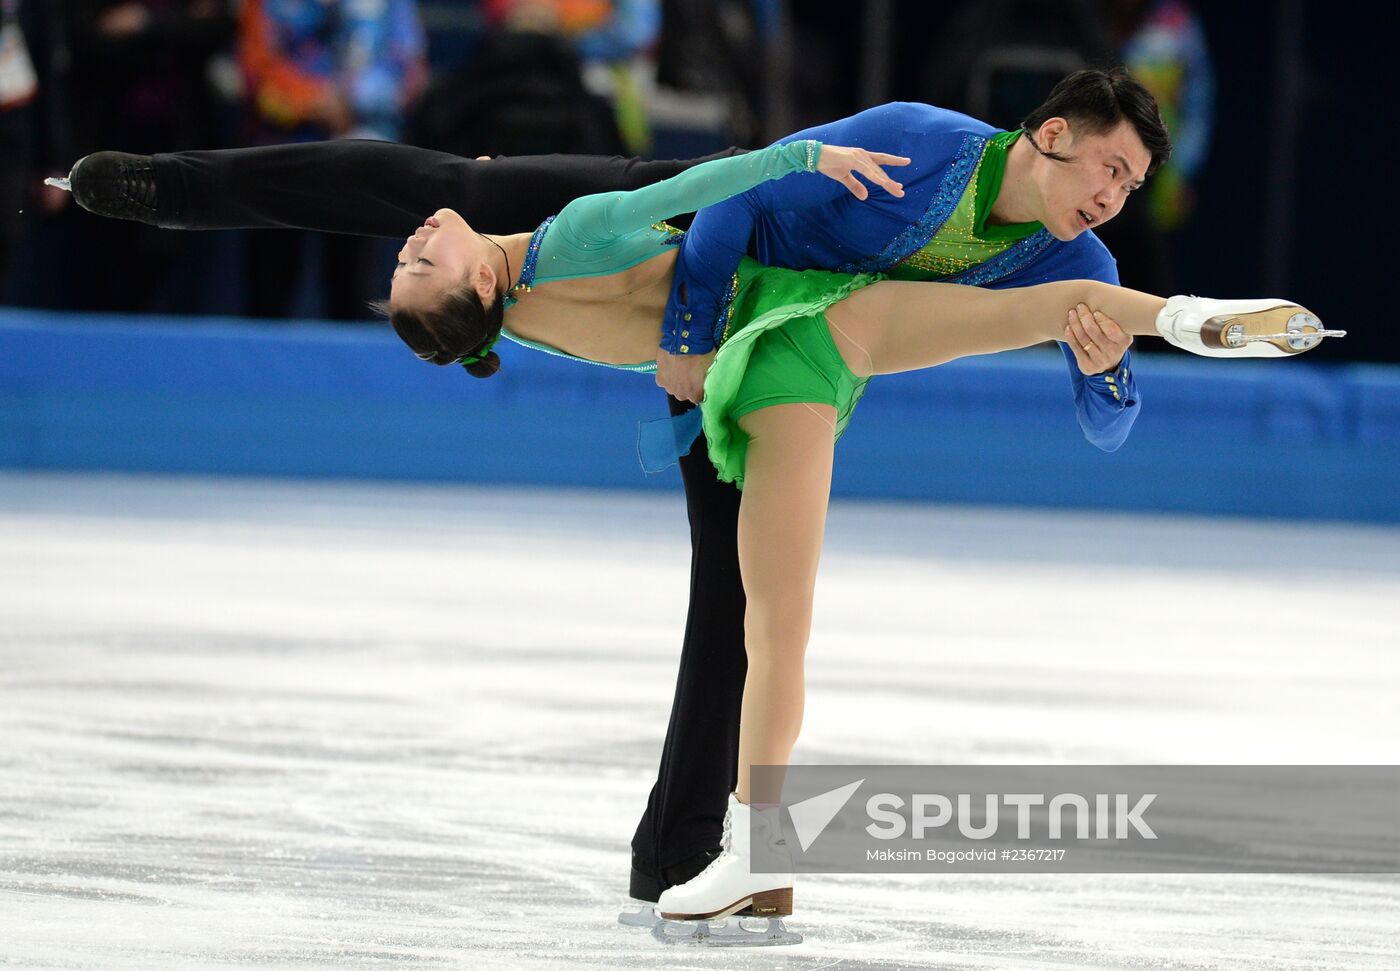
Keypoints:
pixel 1005 264
pixel 916 236
pixel 726 308
pixel 532 256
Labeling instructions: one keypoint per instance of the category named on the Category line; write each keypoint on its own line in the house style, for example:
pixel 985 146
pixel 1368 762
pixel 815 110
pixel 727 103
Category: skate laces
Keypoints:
pixel 138 184
pixel 720 857
pixel 726 843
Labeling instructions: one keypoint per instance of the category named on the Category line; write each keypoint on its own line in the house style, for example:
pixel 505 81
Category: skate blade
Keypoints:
pixel 1306 338
pixel 730 932
pixel 646 917
pixel 1289 328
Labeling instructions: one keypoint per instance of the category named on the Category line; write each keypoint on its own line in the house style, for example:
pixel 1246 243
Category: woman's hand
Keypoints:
pixel 842 164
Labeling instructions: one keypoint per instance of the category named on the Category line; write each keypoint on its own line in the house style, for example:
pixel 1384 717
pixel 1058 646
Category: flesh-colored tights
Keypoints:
pixel 888 327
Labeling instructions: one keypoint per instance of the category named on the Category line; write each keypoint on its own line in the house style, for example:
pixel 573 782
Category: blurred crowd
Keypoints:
pixel 484 77
pixel 148 76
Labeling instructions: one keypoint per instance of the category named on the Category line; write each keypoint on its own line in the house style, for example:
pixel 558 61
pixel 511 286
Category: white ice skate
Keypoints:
pixel 729 885
pixel 1240 328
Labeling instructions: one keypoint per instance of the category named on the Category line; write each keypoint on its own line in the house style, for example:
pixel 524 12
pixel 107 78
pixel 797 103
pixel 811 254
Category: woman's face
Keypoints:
pixel 439 256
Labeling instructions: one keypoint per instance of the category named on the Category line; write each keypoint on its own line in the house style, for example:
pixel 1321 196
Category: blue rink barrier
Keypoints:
pixel 232 397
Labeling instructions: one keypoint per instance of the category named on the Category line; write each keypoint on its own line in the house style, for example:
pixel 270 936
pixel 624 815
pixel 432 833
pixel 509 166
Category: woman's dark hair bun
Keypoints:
pixel 485 367
pixel 459 326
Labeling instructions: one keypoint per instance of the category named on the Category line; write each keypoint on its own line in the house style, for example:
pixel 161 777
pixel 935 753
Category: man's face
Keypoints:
pixel 1090 190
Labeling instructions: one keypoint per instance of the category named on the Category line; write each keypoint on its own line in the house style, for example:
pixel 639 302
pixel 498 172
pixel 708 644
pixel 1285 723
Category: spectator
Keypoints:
pixel 609 36
pixel 140 73
pixel 331 69
pixel 718 46
pixel 1163 46
pixel 1167 53
pixel 33 130
pixel 136 81
pixel 522 92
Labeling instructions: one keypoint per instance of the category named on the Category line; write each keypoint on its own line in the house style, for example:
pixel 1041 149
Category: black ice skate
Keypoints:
pixel 116 185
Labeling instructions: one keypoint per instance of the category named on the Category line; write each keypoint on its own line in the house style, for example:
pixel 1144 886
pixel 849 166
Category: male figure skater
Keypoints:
pixel 978 208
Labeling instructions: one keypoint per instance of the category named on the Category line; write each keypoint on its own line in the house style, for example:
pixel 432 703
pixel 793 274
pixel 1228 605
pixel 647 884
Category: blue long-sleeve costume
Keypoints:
pixel 818 224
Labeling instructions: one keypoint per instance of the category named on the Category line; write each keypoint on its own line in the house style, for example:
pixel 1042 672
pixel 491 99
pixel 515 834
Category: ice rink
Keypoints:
pixel 305 725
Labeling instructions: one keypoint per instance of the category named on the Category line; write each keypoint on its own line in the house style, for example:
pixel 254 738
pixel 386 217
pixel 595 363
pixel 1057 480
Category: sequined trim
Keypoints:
pixel 811 153
pixel 939 266
pixel 1005 264
pixel 916 236
pixel 532 257
pixel 645 368
pixel 673 235
pixel 726 307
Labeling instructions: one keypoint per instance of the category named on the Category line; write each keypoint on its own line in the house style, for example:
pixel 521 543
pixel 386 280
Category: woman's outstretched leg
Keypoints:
pixel 898 325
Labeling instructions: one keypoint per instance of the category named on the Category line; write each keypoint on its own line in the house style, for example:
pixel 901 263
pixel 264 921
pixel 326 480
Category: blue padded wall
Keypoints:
pixel 1263 438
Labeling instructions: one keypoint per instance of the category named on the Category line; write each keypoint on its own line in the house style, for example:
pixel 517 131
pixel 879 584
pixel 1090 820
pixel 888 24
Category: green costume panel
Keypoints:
pixel 778 350
pixel 965 240
pixel 777 347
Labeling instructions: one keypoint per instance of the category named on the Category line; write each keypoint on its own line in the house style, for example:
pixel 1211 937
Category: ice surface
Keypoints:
pixel 292 725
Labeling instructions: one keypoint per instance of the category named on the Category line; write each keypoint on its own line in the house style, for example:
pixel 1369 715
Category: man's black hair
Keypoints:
pixel 1095 102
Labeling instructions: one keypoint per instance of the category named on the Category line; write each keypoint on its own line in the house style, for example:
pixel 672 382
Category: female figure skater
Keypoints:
pixel 797 354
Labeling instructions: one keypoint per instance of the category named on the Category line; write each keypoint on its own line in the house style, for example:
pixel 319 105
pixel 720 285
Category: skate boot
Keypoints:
pixel 709 909
pixel 116 185
pixel 648 880
pixel 1240 328
pixel 728 884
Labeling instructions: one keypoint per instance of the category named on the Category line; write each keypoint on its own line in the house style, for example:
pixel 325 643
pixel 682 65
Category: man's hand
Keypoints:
pixel 683 375
pixel 1096 339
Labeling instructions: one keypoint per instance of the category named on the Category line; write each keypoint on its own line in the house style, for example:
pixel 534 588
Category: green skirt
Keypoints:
pixel 778 350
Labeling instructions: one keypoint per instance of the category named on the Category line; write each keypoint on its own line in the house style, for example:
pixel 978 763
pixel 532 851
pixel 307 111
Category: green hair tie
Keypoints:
pixel 471 359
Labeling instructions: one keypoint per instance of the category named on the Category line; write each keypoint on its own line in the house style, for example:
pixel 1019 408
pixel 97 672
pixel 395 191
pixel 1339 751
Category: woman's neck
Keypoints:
pixel 512 250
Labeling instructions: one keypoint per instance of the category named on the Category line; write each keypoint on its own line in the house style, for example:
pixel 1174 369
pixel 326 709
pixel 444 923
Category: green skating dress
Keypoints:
pixel 777 349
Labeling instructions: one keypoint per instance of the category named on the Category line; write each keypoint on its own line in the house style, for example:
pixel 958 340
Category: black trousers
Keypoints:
pixel 384 189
